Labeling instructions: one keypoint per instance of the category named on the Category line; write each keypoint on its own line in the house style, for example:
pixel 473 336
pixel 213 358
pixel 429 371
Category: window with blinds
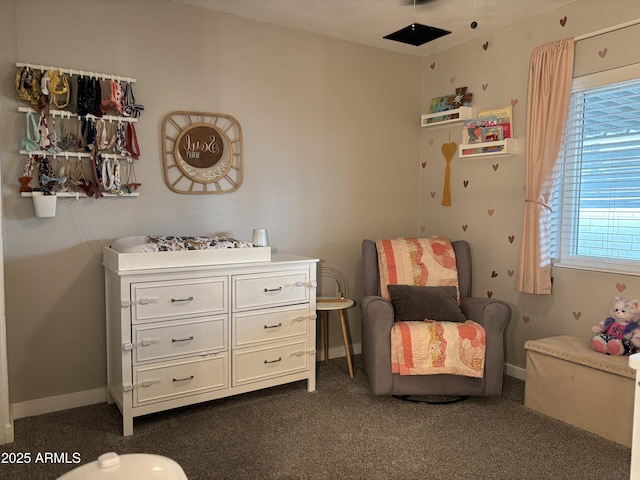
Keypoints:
pixel 596 205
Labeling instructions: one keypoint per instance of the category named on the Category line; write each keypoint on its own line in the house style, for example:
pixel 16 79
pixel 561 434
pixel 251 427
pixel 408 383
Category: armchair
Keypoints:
pixel 378 318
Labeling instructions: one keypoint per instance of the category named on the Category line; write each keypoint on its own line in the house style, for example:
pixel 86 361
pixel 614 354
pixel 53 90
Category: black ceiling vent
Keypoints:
pixel 417 34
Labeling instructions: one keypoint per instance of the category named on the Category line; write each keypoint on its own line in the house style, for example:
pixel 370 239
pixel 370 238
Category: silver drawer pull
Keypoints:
pixel 266 362
pixel 273 326
pixel 186 339
pixel 174 300
pixel 267 290
pixel 183 379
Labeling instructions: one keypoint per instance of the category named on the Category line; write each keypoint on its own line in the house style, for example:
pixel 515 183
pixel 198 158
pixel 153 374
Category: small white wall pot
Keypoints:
pixel 45 205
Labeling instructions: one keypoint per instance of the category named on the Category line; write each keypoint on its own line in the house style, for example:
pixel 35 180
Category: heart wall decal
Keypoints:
pixel 485 45
pixel 602 53
pixel 563 21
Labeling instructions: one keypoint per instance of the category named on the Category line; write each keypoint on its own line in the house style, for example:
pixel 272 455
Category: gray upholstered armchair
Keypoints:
pixel 378 318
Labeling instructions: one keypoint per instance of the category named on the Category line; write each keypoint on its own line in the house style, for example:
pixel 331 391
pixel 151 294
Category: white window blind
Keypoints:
pixel 596 206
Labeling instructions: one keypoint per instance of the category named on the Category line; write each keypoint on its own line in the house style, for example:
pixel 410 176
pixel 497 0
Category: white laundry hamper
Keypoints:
pixel 134 466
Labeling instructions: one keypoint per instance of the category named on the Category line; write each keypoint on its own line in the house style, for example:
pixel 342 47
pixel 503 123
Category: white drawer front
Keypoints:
pixel 270 289
pixel 178 298
pixel 259 326
pixel 252 365
pixel 170 339
pixel 159 382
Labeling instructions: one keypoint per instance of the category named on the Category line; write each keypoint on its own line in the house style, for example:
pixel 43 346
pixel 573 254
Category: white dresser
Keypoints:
pixel 182 335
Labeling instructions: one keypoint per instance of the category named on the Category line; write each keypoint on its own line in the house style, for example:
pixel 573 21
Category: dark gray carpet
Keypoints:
pixel 338 432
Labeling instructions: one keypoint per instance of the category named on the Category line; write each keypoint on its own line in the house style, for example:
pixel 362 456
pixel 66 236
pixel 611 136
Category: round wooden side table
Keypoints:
pixel 326 305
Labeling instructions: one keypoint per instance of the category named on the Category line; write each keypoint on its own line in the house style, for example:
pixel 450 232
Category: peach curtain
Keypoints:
pixel 549 91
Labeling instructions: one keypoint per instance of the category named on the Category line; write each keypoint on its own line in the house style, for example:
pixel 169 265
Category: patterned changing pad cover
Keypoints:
pixel 174 243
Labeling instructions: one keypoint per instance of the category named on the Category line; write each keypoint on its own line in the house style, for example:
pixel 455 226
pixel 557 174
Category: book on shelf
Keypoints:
pixel 503 116
pixel 472 131
pixel 438 105
pixel 494 133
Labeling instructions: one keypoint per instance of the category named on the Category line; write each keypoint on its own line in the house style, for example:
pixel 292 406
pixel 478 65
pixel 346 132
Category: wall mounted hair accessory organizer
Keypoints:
pixel 79 132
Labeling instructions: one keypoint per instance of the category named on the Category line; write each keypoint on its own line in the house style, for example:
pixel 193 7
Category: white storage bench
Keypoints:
pixel 568 380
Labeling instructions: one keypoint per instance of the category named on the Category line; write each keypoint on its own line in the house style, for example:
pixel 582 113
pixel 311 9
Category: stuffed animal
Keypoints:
pixel 619 334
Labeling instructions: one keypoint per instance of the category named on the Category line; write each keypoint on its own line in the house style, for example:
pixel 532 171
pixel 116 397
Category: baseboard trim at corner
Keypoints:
pixel 40 406
pixel 516 372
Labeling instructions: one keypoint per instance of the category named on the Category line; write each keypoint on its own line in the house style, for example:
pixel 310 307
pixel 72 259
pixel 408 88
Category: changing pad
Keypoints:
pixel 172 243
pixel 149 252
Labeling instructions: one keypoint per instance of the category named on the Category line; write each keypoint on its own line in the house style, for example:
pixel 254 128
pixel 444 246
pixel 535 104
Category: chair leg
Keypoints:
pixel 343 323
pixel 325 334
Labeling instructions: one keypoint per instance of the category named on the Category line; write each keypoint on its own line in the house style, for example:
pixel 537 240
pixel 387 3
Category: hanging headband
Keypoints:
pixel 27 85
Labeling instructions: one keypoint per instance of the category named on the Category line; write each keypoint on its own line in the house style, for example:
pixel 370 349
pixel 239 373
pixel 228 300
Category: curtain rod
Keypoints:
pixel 620 26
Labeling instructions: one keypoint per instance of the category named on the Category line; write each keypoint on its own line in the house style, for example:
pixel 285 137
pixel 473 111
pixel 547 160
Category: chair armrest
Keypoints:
pixel 377 316
pixel 493 315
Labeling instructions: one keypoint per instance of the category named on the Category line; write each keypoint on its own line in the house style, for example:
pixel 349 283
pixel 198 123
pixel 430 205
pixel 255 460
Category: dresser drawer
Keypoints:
pixel 178 298
pixel 274 324
pixel 170 339
pixel 164 381
pixel 252 365
pixel 270 289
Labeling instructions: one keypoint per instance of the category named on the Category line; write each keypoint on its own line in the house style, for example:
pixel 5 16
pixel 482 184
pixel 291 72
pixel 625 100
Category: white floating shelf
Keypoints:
pixel 508 146
pixel 84 195
pixel 460 114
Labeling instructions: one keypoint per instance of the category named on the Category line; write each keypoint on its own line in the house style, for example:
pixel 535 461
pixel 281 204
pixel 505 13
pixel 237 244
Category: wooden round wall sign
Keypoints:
pixel 202 153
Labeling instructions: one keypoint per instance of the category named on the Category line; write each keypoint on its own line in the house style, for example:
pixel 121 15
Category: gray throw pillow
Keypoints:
pixel 418 303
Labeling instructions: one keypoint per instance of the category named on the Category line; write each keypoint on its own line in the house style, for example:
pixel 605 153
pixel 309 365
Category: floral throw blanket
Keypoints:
pixel 416 261
pixel 171 243
pixel 430 347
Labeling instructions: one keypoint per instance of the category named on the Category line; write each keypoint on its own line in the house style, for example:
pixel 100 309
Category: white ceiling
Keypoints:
pixel 367 21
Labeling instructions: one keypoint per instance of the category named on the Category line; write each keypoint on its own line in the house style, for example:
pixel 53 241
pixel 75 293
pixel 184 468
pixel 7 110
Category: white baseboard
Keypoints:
pixel 59 402
pixel 516 372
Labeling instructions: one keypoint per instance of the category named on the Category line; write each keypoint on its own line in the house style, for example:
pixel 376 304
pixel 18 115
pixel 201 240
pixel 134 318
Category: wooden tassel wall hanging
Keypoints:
pixel 448 151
